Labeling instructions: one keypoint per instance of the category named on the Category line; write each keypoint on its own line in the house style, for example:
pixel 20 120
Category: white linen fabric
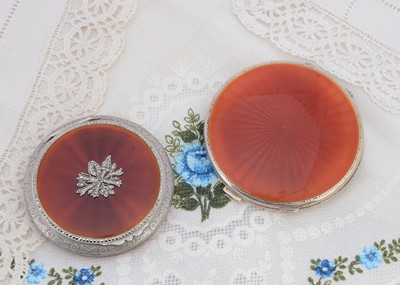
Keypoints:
pixel 177 55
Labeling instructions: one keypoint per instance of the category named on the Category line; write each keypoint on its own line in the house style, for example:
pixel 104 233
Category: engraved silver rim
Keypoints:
pixel 237 193
pixel 100 246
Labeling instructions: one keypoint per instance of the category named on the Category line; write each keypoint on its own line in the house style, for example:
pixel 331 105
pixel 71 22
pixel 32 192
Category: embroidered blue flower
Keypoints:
pixel 37 272
pixel 370 257
pixel 325 268
pixel 84 276
pixel 193 165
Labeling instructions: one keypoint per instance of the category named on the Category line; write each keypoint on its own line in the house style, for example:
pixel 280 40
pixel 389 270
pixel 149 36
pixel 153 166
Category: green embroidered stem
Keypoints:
pixel 353 266
pixel 56 277
pixel 208 211
pixel 206 207
pixel 201 207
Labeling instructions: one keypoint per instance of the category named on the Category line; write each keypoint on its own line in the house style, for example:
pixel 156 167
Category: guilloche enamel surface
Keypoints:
pixel 98 217
pixel 283 132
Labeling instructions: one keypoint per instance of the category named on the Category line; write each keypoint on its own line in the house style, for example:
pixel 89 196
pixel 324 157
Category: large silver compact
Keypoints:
pixel 284 136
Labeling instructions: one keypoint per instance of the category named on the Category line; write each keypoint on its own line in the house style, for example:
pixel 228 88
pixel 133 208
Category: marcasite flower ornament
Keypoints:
pixel 100 179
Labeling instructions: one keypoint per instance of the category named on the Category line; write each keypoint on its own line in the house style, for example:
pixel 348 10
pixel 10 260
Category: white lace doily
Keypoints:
pixel 329 35
pixel 71 83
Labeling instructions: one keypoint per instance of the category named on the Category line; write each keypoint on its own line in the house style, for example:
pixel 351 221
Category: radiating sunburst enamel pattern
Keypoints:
pixel 100 217
pixel 284 132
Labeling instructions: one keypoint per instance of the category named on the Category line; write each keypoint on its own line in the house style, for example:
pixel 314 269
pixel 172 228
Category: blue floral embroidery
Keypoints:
pixel 325 268
pixel 370 257
pixel 193 165
pixel 37 272
pixel 84 276
pixel 197 184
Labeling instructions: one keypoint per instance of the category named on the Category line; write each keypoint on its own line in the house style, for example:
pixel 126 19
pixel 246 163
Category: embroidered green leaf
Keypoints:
pixel 200 129
pixel 190 112
pixel 219 189
pixel 29 262
pixel 176 125
pixel 190 204
pixel 219 201
pixel 169 139
pixel 184 190
pixel 187 136
pixel 191 127
pixel 173 145
pixel 203 191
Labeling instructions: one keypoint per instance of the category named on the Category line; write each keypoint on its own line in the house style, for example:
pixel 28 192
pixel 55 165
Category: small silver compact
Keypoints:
pixel 99 185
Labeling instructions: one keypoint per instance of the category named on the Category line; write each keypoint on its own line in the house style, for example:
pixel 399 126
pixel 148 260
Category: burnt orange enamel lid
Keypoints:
pixel 99 185
pixel 284 136
pixel 104 215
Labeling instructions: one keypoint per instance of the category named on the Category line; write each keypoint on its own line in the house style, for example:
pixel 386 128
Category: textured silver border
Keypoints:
pixel 238 194
pixel 100 246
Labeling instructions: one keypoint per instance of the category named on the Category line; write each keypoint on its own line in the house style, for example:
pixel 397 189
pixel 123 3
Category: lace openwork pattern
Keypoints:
pixel 71 82
pixel 305 29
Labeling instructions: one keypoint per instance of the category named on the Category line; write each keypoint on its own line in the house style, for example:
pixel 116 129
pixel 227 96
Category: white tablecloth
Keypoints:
pixel 60 61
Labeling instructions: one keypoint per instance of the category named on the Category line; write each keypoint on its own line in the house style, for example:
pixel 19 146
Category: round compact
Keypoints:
pixel 99 185
pixel 284 136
